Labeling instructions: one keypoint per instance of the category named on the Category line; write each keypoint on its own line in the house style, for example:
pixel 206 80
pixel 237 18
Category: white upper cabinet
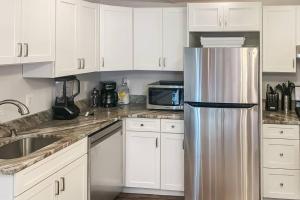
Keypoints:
pixel 27 31
pixel 67 55
pixel 159 38
pixel 298 25
pixel 148 38
pixel 116 33
pixel 88 36
pixel 10 48
pixel 243 16
pixel 205 17
pixel 174 38
pixel 38 30
pixel 279 39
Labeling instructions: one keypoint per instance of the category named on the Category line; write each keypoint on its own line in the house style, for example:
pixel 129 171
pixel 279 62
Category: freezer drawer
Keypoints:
pixel 221 154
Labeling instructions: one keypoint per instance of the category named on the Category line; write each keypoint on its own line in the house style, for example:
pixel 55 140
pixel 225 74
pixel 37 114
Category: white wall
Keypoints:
pixel 14 86
pixel 138 80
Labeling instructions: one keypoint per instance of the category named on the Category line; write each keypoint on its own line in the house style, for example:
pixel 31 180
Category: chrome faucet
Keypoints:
pixel 22 109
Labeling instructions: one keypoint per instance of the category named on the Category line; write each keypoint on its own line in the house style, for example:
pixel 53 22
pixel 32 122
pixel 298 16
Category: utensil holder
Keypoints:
pixel 286 103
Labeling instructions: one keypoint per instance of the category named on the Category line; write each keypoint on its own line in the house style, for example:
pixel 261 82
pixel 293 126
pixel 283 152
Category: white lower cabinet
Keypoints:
pixel 143 159
pixel 281 161
pixel 154 158
pixel 69 183
pixel 172 162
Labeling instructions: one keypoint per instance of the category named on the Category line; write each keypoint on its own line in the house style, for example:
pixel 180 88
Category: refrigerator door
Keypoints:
pixel 221 75
pixel 221 154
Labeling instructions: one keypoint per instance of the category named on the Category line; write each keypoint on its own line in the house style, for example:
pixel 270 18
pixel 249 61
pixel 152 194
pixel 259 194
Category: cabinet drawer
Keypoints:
pixel 281 184
pixel 282 154
pixel 38 172
pixel 275 131
pixel 140 124
pixel 172 126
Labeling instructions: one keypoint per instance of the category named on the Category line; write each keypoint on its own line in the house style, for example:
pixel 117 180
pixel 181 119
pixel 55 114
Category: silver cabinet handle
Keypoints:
pixel 281 154
pixel 164 61
pixel 79 63
pixel 159 62
pixel 20 49
pixel 83 63
pixel 156 142
pixel 26 49
pixel 281 132
pixel 62 184
pixel 281 184
pixel 173 126
pixel 293 63
pixel 183 144
pixel 220 21
pixel 102 62
pixel 56 185
pixel 142 125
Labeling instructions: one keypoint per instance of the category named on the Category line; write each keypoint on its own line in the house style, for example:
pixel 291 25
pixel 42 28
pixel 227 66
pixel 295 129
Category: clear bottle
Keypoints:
pixel 123 93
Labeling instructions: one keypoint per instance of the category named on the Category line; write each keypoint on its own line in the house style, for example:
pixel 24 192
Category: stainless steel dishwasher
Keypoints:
pixel 106 163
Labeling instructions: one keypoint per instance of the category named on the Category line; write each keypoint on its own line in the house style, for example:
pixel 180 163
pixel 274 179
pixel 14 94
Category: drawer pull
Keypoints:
pixel 281 184
pixel 281 154
pixel 281 132
pixel 172 126
pixel 142 125
pixel 56 188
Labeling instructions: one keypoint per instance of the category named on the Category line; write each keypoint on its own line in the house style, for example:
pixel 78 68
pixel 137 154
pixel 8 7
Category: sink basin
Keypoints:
pixel 26 146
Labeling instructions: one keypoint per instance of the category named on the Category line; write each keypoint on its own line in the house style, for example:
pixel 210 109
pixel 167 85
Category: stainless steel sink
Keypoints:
pixel 26 146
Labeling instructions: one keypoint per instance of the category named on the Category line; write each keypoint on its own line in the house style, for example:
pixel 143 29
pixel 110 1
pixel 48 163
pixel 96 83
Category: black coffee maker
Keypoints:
pixel 65 108
pixel 109 96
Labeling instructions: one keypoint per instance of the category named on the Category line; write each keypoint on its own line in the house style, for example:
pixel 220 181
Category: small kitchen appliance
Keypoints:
pixel 109 96
pixel 272 99
pixel 165 95
pixel 65 107
pixel 95 96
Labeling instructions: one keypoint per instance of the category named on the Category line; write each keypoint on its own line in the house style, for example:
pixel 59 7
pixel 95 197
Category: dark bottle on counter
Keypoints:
pixel 95 97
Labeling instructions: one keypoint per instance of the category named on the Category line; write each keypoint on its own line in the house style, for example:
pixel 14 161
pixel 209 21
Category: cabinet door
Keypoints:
pixel 174 38
pixel 67 62
pixel 88 36
pixel 116 35
pixel 279 39
pixel 143 159
pixel 10 31
pixel 73 180
pixel 205 16
pixel 242 16
pixel 172 162
pixel 148 42
pixel 38 30
pixel 298 25
pixel 46 190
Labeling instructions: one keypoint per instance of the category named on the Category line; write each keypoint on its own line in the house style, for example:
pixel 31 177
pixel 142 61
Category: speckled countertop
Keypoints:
pixel 75 130
pixel 280 117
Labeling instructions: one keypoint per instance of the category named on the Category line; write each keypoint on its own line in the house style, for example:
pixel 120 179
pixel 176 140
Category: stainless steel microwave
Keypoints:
pixel 165 95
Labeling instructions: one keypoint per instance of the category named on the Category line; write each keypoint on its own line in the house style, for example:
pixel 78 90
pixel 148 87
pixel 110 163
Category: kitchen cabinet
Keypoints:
pixel 148 38
pixel 279 39
pixel 174 38
pixel 154 154
pixel 281 162
pixel 143 159
pixel 77 43
pixel 88 35
pixel 298 25
pixel 207 17
pixel 159 37
pixel 69 183
pixel 27 31
pixel 76 37
pixel 10 25
pixel 172 162
pixel 38 30
pixel 116 33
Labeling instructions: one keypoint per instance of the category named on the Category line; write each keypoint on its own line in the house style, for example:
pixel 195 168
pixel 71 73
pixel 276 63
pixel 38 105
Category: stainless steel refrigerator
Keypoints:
pixel 222 156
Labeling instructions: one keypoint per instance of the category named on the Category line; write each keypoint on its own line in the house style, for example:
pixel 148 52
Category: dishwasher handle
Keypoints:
pixel 100 136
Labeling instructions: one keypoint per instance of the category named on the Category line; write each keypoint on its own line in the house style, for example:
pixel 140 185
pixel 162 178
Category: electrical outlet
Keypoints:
pixel 28 100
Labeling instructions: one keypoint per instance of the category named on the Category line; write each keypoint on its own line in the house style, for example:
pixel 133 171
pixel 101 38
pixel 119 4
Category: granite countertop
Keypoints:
pixel 280 117
pixel 74 130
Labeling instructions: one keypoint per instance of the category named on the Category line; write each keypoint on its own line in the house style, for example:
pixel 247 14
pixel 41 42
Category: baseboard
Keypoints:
pixel 152 191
